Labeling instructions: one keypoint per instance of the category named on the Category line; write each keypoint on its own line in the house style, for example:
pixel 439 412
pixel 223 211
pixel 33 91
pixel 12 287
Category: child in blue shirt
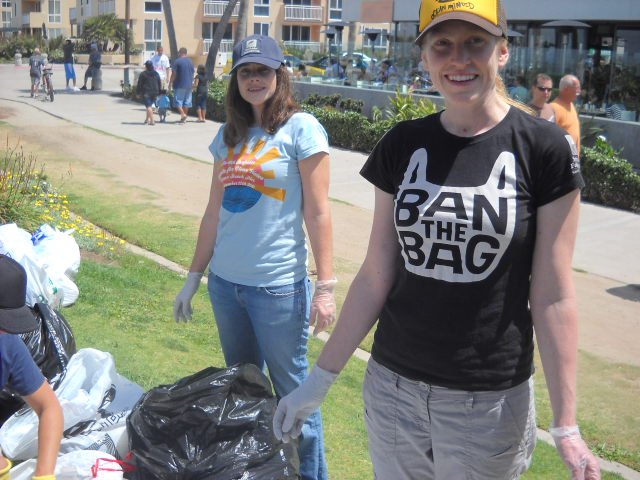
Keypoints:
pixel 164 103
pixel 19 372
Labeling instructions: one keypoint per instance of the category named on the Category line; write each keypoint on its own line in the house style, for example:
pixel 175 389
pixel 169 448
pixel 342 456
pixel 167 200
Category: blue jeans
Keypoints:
pixel 269 326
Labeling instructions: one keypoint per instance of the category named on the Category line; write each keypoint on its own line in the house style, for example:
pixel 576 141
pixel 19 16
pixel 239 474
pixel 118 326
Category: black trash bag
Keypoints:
pixel 214 424
pixel 51 345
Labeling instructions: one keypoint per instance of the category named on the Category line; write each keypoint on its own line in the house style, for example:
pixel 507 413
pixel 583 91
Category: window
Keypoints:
pixel 261 29
pixel 335 10
pixel 153 7
pixel 54 12
pixel 296 33
pixel 152 35
pixel 297 2
pixel 261 8
pixel 209 30
pixel 6 19
pixel 54 33
pixel 6 3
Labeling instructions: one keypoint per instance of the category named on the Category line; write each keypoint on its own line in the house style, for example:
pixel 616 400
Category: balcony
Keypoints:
pixel 106 6
pixel 216 8
pixel 33 19
pixel 301 13
pixel 313 46
pixel 226 46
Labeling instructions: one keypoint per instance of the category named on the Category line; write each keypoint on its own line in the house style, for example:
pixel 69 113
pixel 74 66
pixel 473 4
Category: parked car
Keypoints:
pixel 357 56
pixel 293 60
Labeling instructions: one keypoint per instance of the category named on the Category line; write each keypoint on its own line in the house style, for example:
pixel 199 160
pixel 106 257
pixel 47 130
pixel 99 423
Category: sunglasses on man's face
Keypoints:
pixel 544 89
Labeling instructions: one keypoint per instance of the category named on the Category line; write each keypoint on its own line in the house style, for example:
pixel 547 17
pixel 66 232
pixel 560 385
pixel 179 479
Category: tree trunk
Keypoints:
pixel 241 31
pixel 168 17
pixel 217 37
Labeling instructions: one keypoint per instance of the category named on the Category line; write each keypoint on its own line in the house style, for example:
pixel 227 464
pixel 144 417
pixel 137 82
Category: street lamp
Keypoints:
pixel 372 35
pixel 338 26
pixel 330 33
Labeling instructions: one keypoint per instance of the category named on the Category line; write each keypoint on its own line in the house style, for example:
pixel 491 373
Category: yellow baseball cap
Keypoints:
pixel 486 14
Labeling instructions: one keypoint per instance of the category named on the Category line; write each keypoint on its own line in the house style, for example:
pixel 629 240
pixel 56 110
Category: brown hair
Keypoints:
pixel 277 110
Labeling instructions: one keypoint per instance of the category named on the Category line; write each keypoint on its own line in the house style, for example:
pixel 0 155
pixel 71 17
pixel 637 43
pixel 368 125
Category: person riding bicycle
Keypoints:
pixel 36 62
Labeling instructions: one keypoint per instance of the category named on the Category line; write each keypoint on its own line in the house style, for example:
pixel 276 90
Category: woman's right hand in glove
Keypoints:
pixel 182 309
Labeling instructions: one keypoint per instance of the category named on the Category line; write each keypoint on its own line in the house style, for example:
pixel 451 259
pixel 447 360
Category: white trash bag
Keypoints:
pixel 16 243
pixel 77 465
pixel 96 402
pixel 59 254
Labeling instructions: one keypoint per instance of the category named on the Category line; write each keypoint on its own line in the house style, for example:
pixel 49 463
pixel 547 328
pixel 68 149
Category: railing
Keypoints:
pixel 226 46
pixel 313 46
pixel 216 8
pixel 106 6
pixel 304 13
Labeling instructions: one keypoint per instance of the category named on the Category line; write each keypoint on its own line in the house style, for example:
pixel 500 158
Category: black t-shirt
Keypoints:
pixel 203 85
pixel 465 214
pixel 67 48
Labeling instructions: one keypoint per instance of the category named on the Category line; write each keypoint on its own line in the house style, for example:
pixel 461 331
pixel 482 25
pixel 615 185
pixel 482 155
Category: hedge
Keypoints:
pixel 610 180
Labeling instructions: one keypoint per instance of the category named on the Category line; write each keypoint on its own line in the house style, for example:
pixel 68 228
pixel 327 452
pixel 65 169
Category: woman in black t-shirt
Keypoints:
pixel 202 92
pixel 475 220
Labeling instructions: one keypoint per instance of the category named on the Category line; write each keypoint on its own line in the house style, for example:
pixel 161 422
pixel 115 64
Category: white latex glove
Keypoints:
pixel 576 455
pixel 296 407
pixel 323 305
pixel 182 309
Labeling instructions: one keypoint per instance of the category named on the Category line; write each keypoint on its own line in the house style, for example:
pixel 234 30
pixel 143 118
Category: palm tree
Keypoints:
pixel 103 28
pixel 168 17
pixel 241 31
pixel 217 36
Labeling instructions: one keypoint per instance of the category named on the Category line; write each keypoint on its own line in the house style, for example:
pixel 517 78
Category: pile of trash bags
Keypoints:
pixel 213 424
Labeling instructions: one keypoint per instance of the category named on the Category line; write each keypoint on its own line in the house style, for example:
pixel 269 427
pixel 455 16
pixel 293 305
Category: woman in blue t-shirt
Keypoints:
pixel 476 212
pixel 271 173
pixel 19 372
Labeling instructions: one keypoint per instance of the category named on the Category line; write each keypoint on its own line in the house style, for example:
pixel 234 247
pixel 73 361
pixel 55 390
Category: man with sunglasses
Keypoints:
pixel 540 95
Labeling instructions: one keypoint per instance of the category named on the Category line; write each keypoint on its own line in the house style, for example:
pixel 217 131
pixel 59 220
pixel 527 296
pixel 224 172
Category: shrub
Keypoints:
pixel 610 180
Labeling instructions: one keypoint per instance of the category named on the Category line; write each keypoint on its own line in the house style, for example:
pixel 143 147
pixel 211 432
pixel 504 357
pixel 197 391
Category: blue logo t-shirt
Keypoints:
pixel 260 240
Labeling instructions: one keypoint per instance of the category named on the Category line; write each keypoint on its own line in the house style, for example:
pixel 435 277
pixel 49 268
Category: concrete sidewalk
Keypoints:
pixel 607 238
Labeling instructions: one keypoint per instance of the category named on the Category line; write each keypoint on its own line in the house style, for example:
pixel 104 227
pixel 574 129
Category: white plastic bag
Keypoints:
pixel 57 250
pixel 75 466
pixel 41 287
pixel 88 394
pixel 59 254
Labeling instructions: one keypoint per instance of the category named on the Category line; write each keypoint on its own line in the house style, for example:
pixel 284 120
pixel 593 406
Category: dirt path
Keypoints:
pixel 609 310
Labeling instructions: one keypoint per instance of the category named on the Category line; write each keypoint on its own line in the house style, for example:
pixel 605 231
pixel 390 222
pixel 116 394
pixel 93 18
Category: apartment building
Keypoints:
pixel 48 18
pixel 298 24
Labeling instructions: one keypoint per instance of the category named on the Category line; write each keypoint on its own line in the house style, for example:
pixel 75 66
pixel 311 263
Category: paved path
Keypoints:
pixel 607 239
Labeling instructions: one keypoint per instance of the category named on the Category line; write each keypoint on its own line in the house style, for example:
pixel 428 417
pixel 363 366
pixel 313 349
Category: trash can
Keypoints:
pixel 18 59
pixel 96 79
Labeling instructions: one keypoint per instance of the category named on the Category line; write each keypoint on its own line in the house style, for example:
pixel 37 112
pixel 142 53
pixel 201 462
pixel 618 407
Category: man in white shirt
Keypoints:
pixel 162 66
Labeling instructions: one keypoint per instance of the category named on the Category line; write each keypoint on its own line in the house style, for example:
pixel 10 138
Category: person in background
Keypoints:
pixel 270 175
pixel 518 91
pixel 69 70
pixel 95 63
pixel 336 70
pixel 182 84
pixel 301 71
pixel 540 95
pixel 19 372
pixel 565 110
pixel 616 107
pixel 202 93
pixel 36 63
pixel 164 103
pixel 149 86
pixel 474 225
pixel 388 73
pixel 161 65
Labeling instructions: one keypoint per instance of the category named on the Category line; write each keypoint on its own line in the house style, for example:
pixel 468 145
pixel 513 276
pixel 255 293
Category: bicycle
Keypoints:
pixel 47 83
